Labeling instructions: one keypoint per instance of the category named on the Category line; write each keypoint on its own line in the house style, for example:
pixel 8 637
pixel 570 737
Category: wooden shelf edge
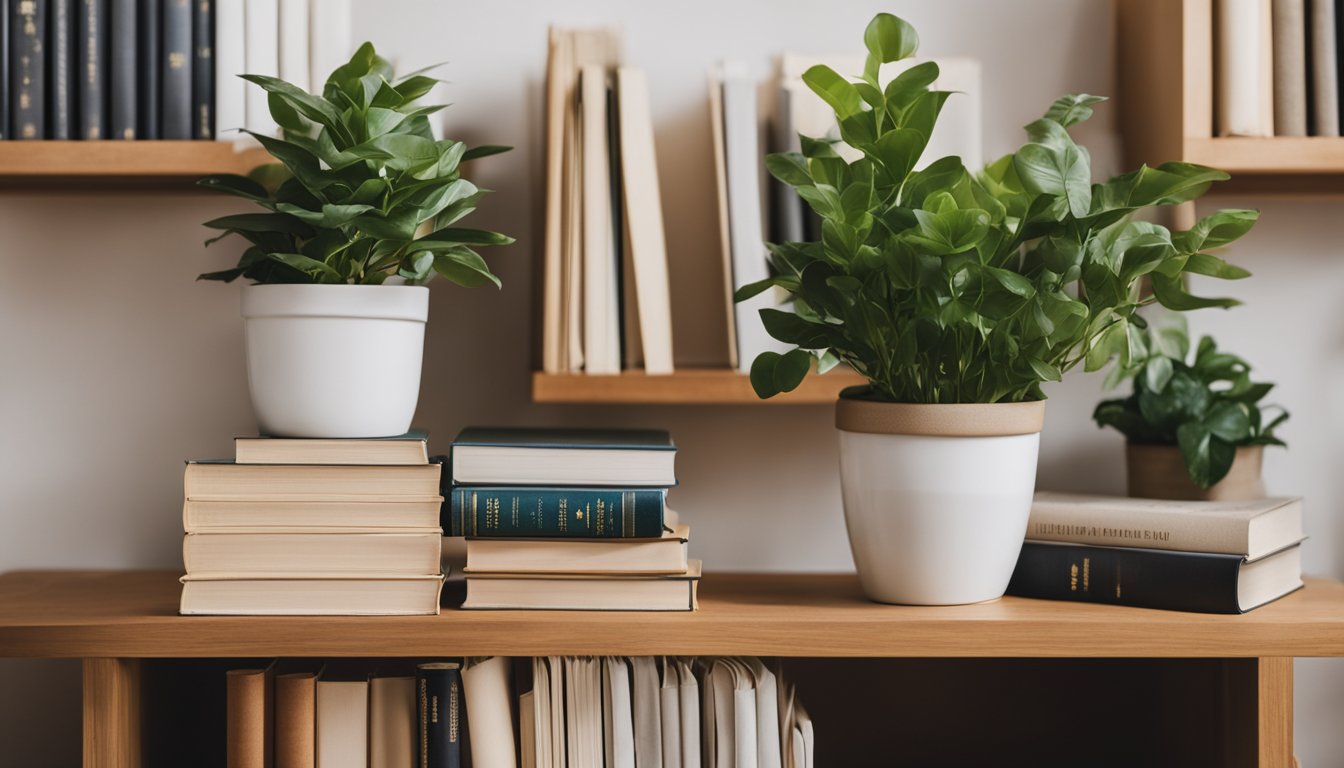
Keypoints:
pixel 684 387
pixel 138 163
pixel 1304 156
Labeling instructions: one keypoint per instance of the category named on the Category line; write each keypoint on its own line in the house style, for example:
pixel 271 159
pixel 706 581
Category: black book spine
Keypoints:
pixel 203 70
pixel 27 68
pixel 91 69
pixel 175 83
pixel 147 55
pixel 122 74
pixel 1143 578
pixel 4 69
pixel 62 65
pixel 439 703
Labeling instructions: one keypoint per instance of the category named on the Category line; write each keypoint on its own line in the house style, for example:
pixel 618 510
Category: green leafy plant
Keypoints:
pixel 1208 406
pixel 362 191
pixel 943 286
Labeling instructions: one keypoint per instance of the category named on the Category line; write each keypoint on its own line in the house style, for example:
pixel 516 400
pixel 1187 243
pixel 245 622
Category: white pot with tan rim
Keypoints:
pixel 936 497
pixel 333 361
pixel 1159 472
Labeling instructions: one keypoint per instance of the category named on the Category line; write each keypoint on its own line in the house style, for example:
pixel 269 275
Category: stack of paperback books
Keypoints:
pixel 305 526
pixel 1202 556
pixel 570 520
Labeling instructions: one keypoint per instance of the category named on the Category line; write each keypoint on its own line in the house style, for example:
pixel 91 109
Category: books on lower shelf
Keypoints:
pixel 307 537
pixel 570 520
pixel 1202 556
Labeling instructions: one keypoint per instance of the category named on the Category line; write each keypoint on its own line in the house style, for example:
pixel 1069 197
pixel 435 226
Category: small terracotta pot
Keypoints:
pixel 1158 472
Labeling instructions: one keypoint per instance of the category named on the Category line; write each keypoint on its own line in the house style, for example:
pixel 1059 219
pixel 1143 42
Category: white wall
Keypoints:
pixel 117 366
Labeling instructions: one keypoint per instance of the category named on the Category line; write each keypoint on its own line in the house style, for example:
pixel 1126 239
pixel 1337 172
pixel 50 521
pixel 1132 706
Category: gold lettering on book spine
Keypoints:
pixel 452 712
pixel 424 722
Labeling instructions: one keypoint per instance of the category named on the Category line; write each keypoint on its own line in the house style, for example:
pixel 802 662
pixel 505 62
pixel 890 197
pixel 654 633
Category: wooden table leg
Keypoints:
pixel 111 713
pixel 1260 712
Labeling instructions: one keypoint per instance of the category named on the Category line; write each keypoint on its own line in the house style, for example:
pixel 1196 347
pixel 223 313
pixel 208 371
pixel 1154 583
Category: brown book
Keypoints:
pixel 295 697
pixel 248 722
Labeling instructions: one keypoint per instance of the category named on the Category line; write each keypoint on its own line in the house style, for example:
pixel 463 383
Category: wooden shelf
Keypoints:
pixel 1166 107
pixel 122 162
pixel 133 614
pixel 703 386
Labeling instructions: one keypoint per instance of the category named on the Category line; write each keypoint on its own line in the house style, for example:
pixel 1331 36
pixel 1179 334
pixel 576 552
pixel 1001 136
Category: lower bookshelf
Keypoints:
pixel 1034 681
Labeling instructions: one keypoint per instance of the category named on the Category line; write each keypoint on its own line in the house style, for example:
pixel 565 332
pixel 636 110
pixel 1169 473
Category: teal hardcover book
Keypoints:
pixel 521 511
pixel 614 458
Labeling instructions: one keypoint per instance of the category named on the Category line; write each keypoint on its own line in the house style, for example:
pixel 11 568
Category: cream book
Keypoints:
pixel 385 514
pixel 227 480
pixel 601 319
pixel 230 61
pixel 410 448
pixel 645 702
pixel 666 555
pixel 1244 68
pixel 1251 529
pixel 392 721
pixel 293 552
pixel 584 593
pixel 618 725
pixel 334 595
pixel 342 734
pixel 669 713
pixel 485 685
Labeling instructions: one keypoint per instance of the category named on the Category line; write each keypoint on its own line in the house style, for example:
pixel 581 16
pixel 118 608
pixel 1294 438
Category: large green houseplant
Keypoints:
pixel 957 294
pixel 362 207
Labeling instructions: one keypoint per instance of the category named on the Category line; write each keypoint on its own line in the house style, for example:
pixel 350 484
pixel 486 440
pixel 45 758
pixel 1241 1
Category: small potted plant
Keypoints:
pixel 1194 428
pixel 362 208
pixel 957 294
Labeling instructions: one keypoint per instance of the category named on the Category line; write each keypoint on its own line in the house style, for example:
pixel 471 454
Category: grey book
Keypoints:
pixel 175 83
pixel 91 69
pixel 1324 75
pixel 148 39
pixel 4 69
pixel 61 98
pixel 27 69
pixel 122 73
pixel 1290 68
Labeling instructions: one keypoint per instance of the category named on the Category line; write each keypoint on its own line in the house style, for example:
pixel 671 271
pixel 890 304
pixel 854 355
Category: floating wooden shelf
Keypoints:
pixel 134 163
pixel 702 386
pixel 134 614
pixel 1166 107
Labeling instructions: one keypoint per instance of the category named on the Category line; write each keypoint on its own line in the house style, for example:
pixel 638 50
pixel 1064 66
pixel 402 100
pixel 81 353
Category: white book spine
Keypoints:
pixel 330 42
pixel 262 58
pixel 294 65
pixel 1240 40
pixel 485 683
pixel 600 321
pixel 230 62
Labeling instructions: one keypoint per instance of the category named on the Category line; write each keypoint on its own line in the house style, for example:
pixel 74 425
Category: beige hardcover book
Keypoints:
pixel 721 183
pixel 1251 529
pixel 392 722
pixel 584 593
pixel 410 449
pixel 342 731
pixel 295 719
pixel 559 85
pixel 485 686
pixel 645 709
pixel 333 595
pixel 384 514
pixel 644 223
pixel 601 321
pixel 1290 67
pixel 227 480
pixel 666 555
pixel 527 731
pixel 669 713
pixel 252 552
pixel 248 720
pixel 1244 68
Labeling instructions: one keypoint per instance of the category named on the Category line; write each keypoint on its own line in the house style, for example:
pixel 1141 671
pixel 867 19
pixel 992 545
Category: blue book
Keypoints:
pixel 587 513
pixel 608 458
pixel 440 708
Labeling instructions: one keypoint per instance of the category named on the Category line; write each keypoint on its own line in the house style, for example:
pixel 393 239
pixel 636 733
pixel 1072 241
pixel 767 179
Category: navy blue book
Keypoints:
pixel 63 90
pixel 175 85
pixel 440 710
pixel 610 458
pixel 91 69
pixel 124 41
pixel 1152 578
pixel 578 513
pixel 28 69
pixel 203 70
pixel 148 54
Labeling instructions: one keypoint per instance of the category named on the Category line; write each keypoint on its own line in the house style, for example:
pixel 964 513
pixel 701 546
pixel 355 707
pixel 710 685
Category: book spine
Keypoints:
pixel 176 70
pixel 230 95
pixel 147 55
pixel 62 65
pixel 557 512
pixel 1142 578
pixel 27 73
pixel 92 69
pixel 295 720
pixel 262 57
pixel 122 51
pixel 203 70
pixel 1135 528
pixel 439 712
pixel 1324 76
pixel 4 68
pixel 1290 67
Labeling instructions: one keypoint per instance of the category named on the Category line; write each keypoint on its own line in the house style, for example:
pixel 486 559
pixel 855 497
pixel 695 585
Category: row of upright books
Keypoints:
pixel 158 69
pixel 1277 67
pixel 571 712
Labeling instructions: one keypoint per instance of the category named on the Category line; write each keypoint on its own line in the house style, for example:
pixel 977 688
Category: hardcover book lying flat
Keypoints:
pixel 388 513
pixel 410 448
pixel 228 480
pixel 585 593
pixel 666 555
pixel 619 458
pixel 347 552
pixel 336 595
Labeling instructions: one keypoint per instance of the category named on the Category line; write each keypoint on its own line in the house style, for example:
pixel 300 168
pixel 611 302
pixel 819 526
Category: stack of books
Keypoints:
pixel 313 527
pixel 570 520
pixel 1202 556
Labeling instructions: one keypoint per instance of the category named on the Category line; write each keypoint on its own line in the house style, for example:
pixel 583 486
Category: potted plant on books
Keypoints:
pixel 361 210
pixel 1195 429
pixel 957 294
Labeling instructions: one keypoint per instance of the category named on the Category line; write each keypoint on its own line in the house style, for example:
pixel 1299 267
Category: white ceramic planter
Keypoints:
pixel 937 496
pixel 334 360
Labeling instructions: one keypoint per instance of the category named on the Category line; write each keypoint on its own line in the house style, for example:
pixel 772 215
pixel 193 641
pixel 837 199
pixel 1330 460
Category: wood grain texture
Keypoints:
pixel 63 614
pixel 1150 89
pixel 111 713
pixel 1257 696
pixel 54 161
pixel 703 386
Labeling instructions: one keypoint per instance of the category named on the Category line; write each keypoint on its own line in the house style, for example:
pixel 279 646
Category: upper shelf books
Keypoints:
pixel 520 456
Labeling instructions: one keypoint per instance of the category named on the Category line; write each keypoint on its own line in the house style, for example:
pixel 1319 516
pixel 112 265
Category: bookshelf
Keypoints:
pixel 1166 117
pixel 705 386
pixel 123 163
pixel 1226 680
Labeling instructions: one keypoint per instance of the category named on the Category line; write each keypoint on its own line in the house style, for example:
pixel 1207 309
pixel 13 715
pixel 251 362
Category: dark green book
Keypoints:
pixel 611 458
pixel 590 513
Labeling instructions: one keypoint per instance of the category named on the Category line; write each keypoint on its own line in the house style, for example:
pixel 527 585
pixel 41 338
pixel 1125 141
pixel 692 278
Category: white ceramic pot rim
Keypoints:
pixel 939 420
pixel 383 302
